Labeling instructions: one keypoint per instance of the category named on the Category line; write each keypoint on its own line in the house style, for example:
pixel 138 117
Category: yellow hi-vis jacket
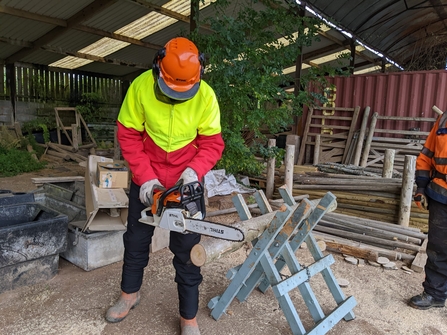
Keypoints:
pixel 160 140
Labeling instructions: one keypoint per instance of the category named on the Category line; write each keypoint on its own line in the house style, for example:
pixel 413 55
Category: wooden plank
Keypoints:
pixel 51 180
pixel 351 132
pixel 305 133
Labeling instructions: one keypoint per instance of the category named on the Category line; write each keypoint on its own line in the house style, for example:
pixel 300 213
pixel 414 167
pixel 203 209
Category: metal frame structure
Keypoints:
pixel 275 249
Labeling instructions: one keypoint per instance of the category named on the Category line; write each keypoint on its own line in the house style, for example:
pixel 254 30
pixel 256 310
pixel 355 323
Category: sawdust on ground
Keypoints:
pixel 75 301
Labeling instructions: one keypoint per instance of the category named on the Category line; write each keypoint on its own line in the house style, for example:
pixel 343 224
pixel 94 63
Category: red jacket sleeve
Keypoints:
pixel 132 148
pixel 210 150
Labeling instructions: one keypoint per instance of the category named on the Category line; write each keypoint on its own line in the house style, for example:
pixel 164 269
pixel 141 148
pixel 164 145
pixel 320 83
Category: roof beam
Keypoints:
pixel 31 16
pixel 11 41
pixel 95 58
pixel 322 51
pixel 86 29
pixel 169 13
pixel 84 14
pixel 118 37
pixel 344 44
pixel 163 11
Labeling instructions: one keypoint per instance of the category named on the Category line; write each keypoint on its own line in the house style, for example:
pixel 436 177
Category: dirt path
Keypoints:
pixel 75 301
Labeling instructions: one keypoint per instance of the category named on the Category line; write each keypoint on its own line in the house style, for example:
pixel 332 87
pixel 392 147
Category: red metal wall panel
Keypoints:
pixel 404 94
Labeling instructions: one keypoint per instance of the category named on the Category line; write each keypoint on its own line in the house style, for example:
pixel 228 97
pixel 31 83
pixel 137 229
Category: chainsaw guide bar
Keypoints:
pixel 182 209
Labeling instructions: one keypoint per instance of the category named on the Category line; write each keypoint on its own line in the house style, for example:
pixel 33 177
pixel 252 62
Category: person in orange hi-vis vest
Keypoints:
pixel 431 194
pixel 169 132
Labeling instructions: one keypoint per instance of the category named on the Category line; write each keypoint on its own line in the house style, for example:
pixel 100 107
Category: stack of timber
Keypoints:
pixel 364 223
pixel 369 239
pixel 65 152
pixel 368 197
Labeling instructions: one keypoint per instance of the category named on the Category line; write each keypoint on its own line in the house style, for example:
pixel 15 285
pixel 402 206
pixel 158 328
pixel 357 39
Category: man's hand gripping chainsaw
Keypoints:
pixel 182 209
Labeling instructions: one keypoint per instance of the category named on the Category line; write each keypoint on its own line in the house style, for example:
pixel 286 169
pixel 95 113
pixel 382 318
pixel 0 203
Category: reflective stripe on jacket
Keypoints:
pixel 160 140
pixel 433 157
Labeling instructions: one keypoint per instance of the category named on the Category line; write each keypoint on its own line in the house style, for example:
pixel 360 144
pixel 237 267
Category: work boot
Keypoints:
pixel 425 301
pixel 125 303
pixel 189 327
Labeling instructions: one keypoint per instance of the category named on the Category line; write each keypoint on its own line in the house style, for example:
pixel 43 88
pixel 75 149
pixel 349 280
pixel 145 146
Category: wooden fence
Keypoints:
pixel 37 90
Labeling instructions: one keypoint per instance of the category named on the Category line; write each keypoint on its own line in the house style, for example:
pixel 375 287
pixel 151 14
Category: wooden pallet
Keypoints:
pixel 404 142
pixel 336 127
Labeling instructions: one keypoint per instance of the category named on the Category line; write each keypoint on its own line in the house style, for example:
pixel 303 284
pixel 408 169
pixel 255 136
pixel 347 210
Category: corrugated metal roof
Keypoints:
pixel 399 29
pixel 53 8
pixel 400 32
pixel 15 29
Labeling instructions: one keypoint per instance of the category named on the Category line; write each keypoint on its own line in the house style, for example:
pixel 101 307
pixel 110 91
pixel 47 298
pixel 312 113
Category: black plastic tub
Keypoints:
pixel 12 198
pixel 30 231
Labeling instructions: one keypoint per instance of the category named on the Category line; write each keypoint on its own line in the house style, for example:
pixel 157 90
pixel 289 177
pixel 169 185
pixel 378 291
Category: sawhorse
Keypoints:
pixel 275 249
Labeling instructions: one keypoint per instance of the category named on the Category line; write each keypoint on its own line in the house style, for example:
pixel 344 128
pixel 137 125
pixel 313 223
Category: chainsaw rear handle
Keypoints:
pixel 188 193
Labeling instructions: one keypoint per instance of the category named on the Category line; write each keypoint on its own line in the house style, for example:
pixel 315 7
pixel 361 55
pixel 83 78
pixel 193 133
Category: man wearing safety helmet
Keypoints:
pixel 169 132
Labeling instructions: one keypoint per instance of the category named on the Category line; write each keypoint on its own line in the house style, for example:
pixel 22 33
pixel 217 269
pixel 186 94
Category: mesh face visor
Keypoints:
pixel 163 97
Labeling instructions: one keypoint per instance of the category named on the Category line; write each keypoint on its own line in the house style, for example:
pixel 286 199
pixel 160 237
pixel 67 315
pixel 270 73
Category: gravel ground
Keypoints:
pixel 75 301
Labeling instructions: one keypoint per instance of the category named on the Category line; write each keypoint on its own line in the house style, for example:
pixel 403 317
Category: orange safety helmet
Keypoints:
pixel 178 69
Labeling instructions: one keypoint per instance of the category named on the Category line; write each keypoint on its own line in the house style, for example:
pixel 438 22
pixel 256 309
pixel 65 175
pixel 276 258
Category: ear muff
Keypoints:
pixel 156 62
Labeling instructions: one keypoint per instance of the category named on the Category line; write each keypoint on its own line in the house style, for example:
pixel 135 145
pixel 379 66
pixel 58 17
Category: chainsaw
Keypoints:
pixel 182 209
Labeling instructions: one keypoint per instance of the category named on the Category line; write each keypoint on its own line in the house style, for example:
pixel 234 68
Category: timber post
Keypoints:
pixel 406 196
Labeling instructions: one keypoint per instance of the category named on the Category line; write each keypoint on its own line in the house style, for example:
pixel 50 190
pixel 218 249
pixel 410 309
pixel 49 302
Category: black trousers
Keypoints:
pixel 435 282
pixel 137 240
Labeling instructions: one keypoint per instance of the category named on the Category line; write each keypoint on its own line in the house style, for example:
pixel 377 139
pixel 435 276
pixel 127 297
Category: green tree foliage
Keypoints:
pixel 90 107
pixel 245 63
pixel 14 161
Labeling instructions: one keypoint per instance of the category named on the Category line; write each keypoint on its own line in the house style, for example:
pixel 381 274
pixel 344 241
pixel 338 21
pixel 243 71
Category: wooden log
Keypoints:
pixel 61 146
pixel 342 180
pixel 388 163
pixel 413 232
pixel 370 209
pixel 210 249
pixel 317 149
pixel 367 239
pixel 58 154
pixel 294 140
pixel 407 190
pixel 270 172
pixel 372 126
pixel 358 252
pixel 437 110
pixel 371 231
pixel 374 216
pixel 88 146
pixel 344 195
pixel 365 186
pixel 359 146
pixel 320 174
pixel 391 254
pixel 73 156
pixel 288 165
